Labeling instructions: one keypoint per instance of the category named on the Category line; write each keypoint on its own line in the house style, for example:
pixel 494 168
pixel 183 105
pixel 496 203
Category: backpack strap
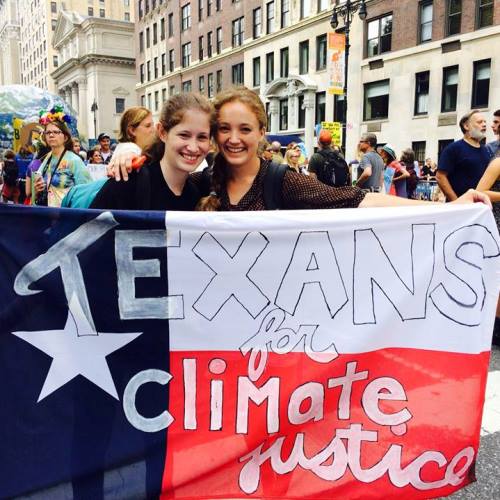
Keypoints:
pixel 143 189
pixel 273 186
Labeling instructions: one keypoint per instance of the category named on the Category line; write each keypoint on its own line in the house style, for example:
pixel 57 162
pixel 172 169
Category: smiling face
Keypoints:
pixel 188 142
pixel 238 134
pixel 105 143
pixel 96 157
pixel 143 133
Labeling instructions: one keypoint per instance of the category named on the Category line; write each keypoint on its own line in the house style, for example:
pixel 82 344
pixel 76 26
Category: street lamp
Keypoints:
pixel 94 108
pixel 346 10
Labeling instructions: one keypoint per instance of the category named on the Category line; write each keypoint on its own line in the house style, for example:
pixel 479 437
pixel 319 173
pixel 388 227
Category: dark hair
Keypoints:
pixel 131 118
pixel 172 113
pixel 91 153
pixel 465 119
pixel 497 113
pixel 370 138
pixel 9 155
pixel 68 143
pixel 220 174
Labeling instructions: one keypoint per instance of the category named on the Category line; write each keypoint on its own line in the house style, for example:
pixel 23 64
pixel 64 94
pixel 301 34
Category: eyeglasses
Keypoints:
pixel 52 132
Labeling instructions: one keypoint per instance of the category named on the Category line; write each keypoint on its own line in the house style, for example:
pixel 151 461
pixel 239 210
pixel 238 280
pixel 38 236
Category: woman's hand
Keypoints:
pixel 473 196
pixel 120 165
pixel 39 184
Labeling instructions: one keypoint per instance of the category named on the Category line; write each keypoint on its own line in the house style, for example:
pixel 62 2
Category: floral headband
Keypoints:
pixel 56 114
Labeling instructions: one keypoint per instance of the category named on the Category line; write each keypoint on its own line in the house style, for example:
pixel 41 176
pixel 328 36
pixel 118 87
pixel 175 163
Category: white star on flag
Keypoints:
pixel 77 350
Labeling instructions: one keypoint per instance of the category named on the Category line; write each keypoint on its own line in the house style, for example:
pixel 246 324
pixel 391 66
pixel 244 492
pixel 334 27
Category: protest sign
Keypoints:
pixel 290 354
pixel 336 63
pixel 336 130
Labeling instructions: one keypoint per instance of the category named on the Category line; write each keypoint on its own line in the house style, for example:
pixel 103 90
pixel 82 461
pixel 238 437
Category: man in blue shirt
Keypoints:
pixel 494 146
pixel 463 162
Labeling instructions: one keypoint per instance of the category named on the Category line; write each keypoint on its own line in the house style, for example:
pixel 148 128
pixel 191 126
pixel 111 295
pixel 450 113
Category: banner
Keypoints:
pixel 287 354
pixel 336 130
pixel 336 63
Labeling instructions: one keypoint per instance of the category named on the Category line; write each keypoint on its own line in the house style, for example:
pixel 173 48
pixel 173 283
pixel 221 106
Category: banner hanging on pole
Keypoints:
pixel 336 63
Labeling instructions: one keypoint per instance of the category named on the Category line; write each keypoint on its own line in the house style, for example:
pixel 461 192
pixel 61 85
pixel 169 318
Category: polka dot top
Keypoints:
pixel 299 192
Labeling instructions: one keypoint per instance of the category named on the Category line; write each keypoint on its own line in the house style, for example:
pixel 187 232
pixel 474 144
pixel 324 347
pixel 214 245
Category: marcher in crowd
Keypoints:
pixel 371 166
pixel 494 146
pixel 463 162
pixel 182 143
pixel 276 150
pixel 137 126
pixel 61 168
pixel 429 170
pixel 105 143
pixel 399 175
pixel 42 150
pixel 408 160
pixel 94 157
pixel 10 187
pixel 292 157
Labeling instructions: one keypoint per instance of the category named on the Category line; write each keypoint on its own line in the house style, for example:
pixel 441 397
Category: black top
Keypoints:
pixel 126 195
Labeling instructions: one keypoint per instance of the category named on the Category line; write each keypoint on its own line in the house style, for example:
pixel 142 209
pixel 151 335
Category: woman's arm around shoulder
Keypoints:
pixel 490 176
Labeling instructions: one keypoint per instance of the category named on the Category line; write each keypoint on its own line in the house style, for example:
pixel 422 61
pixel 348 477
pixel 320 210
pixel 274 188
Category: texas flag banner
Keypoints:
pixel 290 354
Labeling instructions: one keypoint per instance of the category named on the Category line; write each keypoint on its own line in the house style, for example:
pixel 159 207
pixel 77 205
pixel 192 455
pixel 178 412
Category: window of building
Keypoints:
pixel 450 89
pixel 322 5
pixel 162 29
pixel 171 90
pixel 171 60
pixel 339 108
pixel 217 5
pixel 53 7
pixel 320 52
pixel 304 57
pixel 186 54
pixel 481 84
pixel 209 8
pixel 141 72
pixel 285 13
pixel 270 17
pixel 442 144
pixel 237 74
pixel 484 16
pixel 200 10
pixel 283 114
pixel 219 80
pixel 102 13
pixel 143 101
pixel 163 64
pixel 119 105
pixel 301 121
pixel 210 87
pixel 141 42
pixel 200 48
pixel 157 100
pixel 163 95
pixel 53 24
pixel 284 62
pixel 379 36
pixel 320 107
pixel 419 150
pixel 218 40
pixel 90 11
pixel 201 84
pixel 305 8
pixel 126 16
pixel 155 67
pixel 55 61
pixel 426 10
pixel 149 101
pixel 376 100
pixel 269 67
pixel 155 33
pixel 148 70
pixel 170 25
pixel 453 16
pixel 422 93
pixel 237 32
pixel 256 72
pixel 257 22
pixel 186 17
pixel 148 38
pixel 186 86
pixel 209 44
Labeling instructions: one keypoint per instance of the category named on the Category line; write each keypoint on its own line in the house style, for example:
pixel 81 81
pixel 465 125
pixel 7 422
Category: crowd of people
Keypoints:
pixel 205 155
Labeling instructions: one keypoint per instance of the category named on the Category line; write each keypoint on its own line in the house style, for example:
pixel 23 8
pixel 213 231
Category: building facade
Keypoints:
pixel 38 19
pixel 96 71
pixel 10 42
pixel 415 66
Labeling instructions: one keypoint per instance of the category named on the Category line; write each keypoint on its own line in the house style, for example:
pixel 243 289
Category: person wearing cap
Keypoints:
pixel 371 166
pixel 105 143
pixel 327 165
pixel 399 172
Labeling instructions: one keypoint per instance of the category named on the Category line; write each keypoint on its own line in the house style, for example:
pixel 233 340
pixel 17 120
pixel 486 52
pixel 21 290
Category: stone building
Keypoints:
pixel 9 42
pixel 96 71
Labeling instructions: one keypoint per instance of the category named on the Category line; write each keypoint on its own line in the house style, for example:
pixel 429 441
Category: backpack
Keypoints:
pixel 10 173
pixel 82 195
pixel 273 182
pixel 334 171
